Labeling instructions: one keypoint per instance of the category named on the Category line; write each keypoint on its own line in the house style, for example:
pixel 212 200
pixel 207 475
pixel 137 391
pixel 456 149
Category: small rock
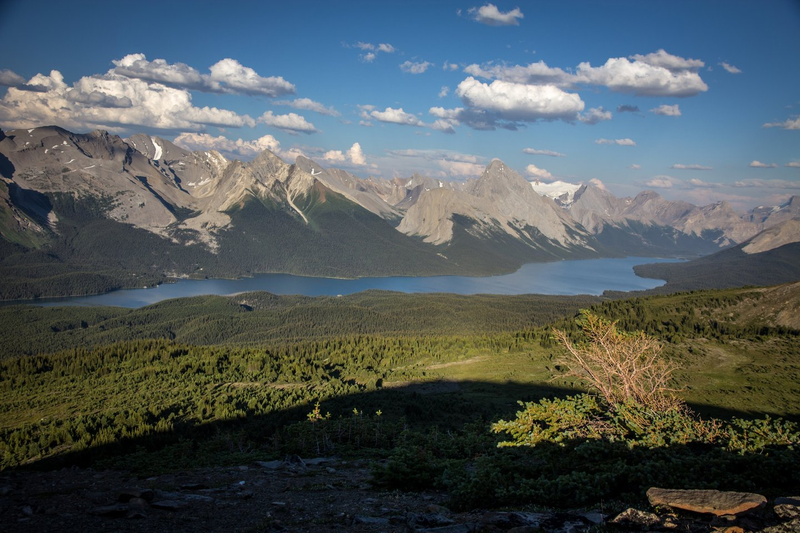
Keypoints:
pixel 786 527
pixel 126 495
pixel 509 520
pixel 319 460
pixel 280 506
pixel 595 517
pixel 137 502
pixel 438 509
pixel 730 529
pixel 194 486
pixel 787 511
pixel 787 508
pixel 455 528
pixel 135 515
pixel 27 510
pixel 433 520
pixel 197 498
pixel 707 501
pixel 330 470
pixel 5 490
pixel 635 518
pixel 370 520
pixel 170 505
pixel 723 521
pixel 270 465
pixel 111 511
pixel 295 461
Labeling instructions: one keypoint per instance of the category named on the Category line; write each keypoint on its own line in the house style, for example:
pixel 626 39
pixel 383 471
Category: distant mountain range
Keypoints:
pixel 769 258
pixel 78 206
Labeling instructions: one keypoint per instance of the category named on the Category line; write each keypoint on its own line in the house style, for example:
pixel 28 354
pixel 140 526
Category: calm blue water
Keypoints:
pixel 592 276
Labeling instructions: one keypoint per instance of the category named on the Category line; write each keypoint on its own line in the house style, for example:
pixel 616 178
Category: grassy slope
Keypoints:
pixel 436 375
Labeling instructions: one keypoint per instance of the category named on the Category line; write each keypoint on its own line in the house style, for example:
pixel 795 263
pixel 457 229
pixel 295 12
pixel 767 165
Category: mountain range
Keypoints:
pixel 144 208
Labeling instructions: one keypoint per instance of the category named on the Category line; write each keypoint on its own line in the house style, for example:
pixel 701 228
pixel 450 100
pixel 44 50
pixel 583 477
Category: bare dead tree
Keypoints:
pixel 622 367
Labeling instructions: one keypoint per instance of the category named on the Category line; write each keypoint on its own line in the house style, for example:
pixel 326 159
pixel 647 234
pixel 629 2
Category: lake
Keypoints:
pixel 590 276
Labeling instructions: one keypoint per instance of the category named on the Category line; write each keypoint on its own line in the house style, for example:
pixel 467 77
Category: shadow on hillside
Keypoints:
pixel 443 406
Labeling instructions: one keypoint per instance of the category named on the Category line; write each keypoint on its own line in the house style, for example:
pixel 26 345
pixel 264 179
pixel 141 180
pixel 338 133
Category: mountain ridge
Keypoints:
pixel 60 187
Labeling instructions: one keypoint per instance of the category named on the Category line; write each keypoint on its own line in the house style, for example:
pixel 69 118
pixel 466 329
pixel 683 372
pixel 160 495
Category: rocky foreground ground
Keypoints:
pixel 328 494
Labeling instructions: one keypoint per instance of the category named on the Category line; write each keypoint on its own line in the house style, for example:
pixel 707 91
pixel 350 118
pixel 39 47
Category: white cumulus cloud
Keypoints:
pixel 730 68
pixel 643 78
pixel 228 147
pixel 793 164
pixel 619 142
pixel 759 164
pixel 291 122
pixel 661 182
pixel 444 91
pixel 534 151
pixel 679 166
pixel 537 172
pixel 415 68
pixel 656 74
pixel 396 116
pixel 667 110
pixel 112 102
pixel 333 156
pixel 371 50
pixel 594 115
pixel 664 59
pixel 597 183
pixel 490 15
pixel 535 73
pixel 309 105
pixel 237 78
pixel 227 75
pixel 10 78
pixel 768 184
pixel 792 123
pixel 356 155
pixel 520 102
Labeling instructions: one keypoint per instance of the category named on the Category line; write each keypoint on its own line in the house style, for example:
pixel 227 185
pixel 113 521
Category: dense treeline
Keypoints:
pixel 258 318
pixel 82 398
pixel 676 317
pixel 729 268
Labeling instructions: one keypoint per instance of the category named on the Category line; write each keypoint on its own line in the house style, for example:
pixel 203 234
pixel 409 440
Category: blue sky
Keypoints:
pixel 697 100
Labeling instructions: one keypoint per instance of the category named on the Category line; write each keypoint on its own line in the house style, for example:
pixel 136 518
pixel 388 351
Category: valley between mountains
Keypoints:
pixel 68 199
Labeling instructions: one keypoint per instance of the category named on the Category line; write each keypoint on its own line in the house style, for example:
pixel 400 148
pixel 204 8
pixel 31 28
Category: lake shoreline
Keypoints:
pixel 571 277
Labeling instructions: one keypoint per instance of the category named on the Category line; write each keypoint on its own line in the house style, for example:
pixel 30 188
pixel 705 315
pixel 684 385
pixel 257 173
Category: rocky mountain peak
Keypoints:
pixel 269 162
pixel 783 233
pixel 103 134
pixel 499 180
pixel 646 196
pixel 307 165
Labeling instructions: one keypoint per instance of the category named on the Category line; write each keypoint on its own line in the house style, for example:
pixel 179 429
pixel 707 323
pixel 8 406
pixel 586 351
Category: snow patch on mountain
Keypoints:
pixel 157 146
pixel 561 192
